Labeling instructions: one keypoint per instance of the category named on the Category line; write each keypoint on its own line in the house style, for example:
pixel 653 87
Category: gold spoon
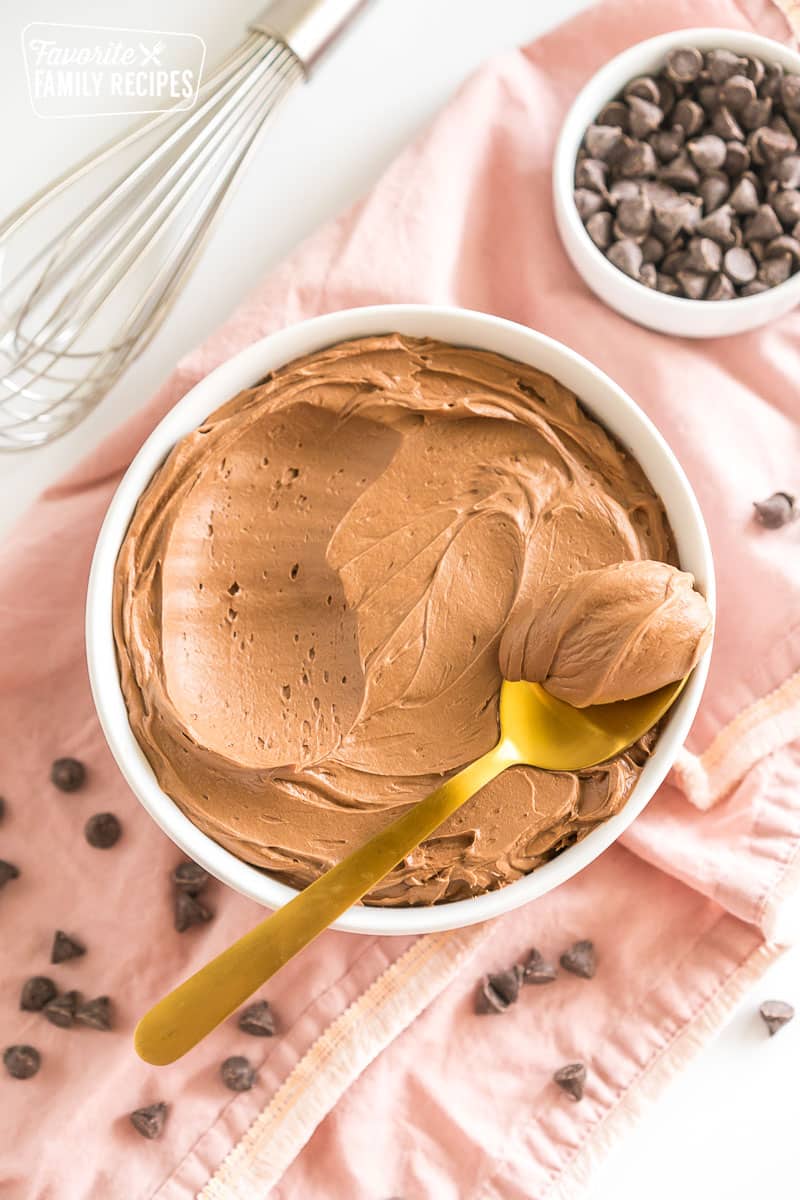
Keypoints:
pixel 536 730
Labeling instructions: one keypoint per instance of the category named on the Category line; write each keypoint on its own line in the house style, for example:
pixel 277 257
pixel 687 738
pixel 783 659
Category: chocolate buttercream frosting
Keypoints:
pixel 311 597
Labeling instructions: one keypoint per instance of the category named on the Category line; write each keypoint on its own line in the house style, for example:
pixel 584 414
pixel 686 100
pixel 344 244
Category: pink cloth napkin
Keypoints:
pixel 381 1081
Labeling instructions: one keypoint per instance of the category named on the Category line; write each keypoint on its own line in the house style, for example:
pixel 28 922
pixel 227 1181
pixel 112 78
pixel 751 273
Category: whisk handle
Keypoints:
pixel 307 27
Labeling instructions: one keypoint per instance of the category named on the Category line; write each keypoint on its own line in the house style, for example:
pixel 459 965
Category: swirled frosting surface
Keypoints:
pixel 310 599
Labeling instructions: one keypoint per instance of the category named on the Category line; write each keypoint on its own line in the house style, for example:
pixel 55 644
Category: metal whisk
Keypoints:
pixel 89 301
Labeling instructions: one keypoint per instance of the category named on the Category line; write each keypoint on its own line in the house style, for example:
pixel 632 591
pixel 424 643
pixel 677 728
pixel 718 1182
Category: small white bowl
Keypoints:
pixel 668 314
pixel 599 395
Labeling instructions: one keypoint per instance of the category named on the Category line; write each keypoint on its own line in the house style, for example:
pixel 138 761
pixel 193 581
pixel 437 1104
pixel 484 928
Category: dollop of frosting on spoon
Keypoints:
pixel 608 634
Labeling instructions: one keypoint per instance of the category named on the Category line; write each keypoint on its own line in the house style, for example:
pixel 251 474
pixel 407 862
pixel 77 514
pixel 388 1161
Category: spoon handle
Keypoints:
pixel 200 1003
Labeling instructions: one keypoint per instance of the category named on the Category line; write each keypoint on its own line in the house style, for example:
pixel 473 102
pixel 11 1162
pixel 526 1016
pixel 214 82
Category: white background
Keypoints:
pixel 727 1129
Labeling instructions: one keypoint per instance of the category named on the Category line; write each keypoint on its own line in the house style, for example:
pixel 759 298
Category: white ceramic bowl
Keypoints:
pixel 668 314
pixel 603 398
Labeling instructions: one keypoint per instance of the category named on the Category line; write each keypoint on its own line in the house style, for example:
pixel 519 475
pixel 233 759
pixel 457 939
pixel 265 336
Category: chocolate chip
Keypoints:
pixel 189 911
pixel 688 115
pixel 773 271
pixel 580 958
pixel 739 265
pixel 615 113
pixel 763 225
pixel 707 152
pixel 720 288
pixel 626 255
pixel 777 510
pixel 693 283
pixel 667 94
pixel 723 64
pixel 599 229
pixel 667 285
pixel 587 203
pixel 674 262
pixel 776 1014
pixel 755 70
pixel 21 1062
pixel 65 947
pixel 725 125
pixel 7 872
pixel 190 877
pixel 61 1010
pixel 96 1014
pixel 787 171
pixel 737 158
pixel 571 1079
pixel 714 190
pixel 680 173
pixel 623 189
pixel 754 289
pixel 634 217
pixel 684 64
pixel 652 250
pixel 149 1121
pixel 36 992
pixel 766 145
pixel 718 226
pixel 786 205
pixel 257 1020
pixel 600 140
pixel 645 116
pixel 537 970
pixel 784 245
pixel 498 992
pixel 703 255
pixel 708 95
pixel 744 198
pixel 639 159
pixel 771 84
pixel 237 1074
pixel 642 88
pixel 756 113
pixel 102 831
pixel 667 143
pixel 790 91
pixel 68 774
pixel 736 93
pixel 591 173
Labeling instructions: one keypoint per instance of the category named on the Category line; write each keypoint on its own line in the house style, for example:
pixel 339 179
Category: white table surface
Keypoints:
pixel 726 1129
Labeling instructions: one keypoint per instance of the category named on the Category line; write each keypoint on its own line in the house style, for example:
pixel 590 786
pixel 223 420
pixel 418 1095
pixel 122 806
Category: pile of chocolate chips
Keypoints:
pixel 690 181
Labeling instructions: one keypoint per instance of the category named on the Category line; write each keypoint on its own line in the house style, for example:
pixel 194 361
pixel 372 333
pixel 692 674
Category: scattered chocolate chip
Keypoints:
pixel 787 171
pixel 36 992
pixel 65 947
pixel 668 285
pixel 693 283
pixel 599 228
pixel 68 774
pixel 96 1014
pixel 722 64
pixel 237 1074
pixel 149 1121
pixel 580 959
pixel 763 225
pixel 641 88
pixel 739 265
pixel 787 206
pixel 634 216
pixel 102 831
pixel 667 143
pixel 684 64
pixel 648 275
pixel 572 1079
pixel 725 125
pixel 790 92
pixel 498 992
pixel 776 1014
pixel 638 159
pixel 744 198
pixel 777 510
pixel 587 203
pixel 627 256
pixel 755 70
pixel 591 173
pixel 257 1020
pixel 784 245
pixel 537 970
pixel 680 172
pixel 21 1062
pixel 736 93
pixel 61 1010
pixel 754 289
pixel 189 911
pixel 615 113
pixel 7 872
pixel 704 255
pixel 756 114
pixel 737 158
pixel 652 250
pixel 190 877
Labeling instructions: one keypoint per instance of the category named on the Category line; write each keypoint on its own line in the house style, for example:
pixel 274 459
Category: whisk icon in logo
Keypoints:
pixel 93 70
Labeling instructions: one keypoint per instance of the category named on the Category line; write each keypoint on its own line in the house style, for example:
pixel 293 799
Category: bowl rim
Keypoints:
pixel 245 369
pixel 575 124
